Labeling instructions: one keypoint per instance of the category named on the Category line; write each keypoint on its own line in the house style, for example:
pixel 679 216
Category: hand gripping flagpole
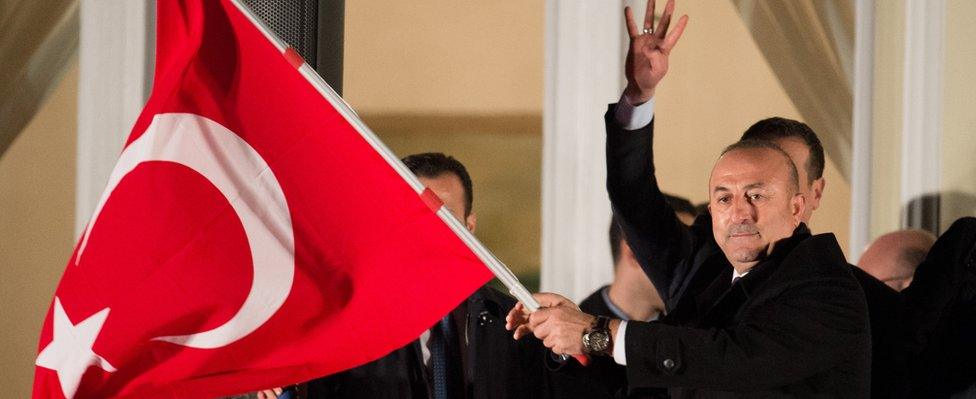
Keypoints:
pixel 500 270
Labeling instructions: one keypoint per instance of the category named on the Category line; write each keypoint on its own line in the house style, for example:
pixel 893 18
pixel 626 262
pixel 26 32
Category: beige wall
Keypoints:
pixel 886 136
pixel 464 78
pixel 437 56
pixel 959 123
pixel 37 186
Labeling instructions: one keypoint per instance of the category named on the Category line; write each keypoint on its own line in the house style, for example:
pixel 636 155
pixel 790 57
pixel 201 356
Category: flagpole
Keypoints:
pixel 500 270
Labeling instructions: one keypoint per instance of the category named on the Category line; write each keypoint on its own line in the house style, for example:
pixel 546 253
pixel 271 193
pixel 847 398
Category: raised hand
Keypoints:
pixel 647 58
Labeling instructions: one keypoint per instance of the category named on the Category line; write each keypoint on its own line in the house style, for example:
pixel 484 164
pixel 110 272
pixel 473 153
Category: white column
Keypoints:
pixel 862 125
pixel 922 104
pixel 116 54
pixel 584 55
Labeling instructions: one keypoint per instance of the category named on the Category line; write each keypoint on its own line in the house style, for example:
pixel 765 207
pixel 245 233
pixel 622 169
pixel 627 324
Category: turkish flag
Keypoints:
pixel 253 234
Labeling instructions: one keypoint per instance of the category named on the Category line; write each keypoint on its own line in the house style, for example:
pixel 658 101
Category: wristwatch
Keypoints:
pixel 597 340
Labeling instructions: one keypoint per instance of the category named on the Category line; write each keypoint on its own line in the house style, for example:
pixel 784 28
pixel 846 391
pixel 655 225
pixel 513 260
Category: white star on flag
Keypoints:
pixel 70 352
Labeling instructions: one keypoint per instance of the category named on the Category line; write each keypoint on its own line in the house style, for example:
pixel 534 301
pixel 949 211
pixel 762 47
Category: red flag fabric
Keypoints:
pixel 250 236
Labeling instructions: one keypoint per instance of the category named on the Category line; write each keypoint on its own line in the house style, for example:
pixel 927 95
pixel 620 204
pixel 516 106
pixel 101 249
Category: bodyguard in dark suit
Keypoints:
pixel 756 305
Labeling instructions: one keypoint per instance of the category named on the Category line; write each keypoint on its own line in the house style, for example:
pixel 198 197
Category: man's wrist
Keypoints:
pixel 635 96
pixel 597 339
pixel 614 327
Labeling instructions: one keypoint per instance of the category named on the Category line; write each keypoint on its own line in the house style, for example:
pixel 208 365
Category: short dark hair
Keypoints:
pixel 435 164
pixel 679 204
pixel 768 145
pixel 775 128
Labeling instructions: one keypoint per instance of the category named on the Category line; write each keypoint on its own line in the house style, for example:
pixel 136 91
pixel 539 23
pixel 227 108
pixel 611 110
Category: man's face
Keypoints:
pixel 752 204
pixel 893 257
pixel 812 191
pixel 449 189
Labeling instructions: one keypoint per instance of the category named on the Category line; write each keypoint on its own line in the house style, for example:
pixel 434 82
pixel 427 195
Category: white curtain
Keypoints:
pixel 584 72
pixel 37 39
pixel 809 44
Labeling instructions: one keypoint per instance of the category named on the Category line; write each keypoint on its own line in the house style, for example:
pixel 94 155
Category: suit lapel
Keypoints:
pixel 480 365
pixel 723 311
pixel 713 293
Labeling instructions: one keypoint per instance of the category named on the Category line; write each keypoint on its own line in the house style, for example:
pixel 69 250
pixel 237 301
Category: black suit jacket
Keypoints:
pixel 496 366
pixel 796 325
pixel 941 303
pixel 890 334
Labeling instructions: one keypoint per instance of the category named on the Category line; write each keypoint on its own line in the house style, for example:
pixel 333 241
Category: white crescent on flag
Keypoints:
pixel 249 185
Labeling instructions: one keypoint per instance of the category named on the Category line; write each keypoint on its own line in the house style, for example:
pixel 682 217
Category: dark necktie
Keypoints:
pixel 445 360
pixel 735 280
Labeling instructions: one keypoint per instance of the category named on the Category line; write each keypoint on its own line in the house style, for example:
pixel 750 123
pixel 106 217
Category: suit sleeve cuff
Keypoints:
pixel 619 347
pixel 633 117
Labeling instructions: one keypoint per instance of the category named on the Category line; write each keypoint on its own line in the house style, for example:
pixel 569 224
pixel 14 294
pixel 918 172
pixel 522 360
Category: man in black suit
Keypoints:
pixel 482 360
pixel 889 332
pixel 890 357
pixel 756 305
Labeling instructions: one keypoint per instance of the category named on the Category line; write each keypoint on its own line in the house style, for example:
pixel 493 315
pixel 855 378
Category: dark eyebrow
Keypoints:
pixel 747 187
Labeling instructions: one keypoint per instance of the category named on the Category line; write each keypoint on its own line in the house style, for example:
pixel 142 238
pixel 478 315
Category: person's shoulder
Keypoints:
pixel 819 257
pixel 821 250
pixel 881 298
pixel 949 266
pixel 594 303
pixel 493 298
pixel 956 246
pixel 871 285
pixel 817 266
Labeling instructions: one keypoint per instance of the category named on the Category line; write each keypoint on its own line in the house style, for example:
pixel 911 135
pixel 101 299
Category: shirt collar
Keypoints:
pixel 736 274
pixel 617 312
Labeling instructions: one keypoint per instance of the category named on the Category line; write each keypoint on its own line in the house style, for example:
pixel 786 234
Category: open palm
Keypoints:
pixel 647 58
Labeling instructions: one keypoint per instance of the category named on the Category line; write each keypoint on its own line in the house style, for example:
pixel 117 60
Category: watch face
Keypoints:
pixel 597 341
